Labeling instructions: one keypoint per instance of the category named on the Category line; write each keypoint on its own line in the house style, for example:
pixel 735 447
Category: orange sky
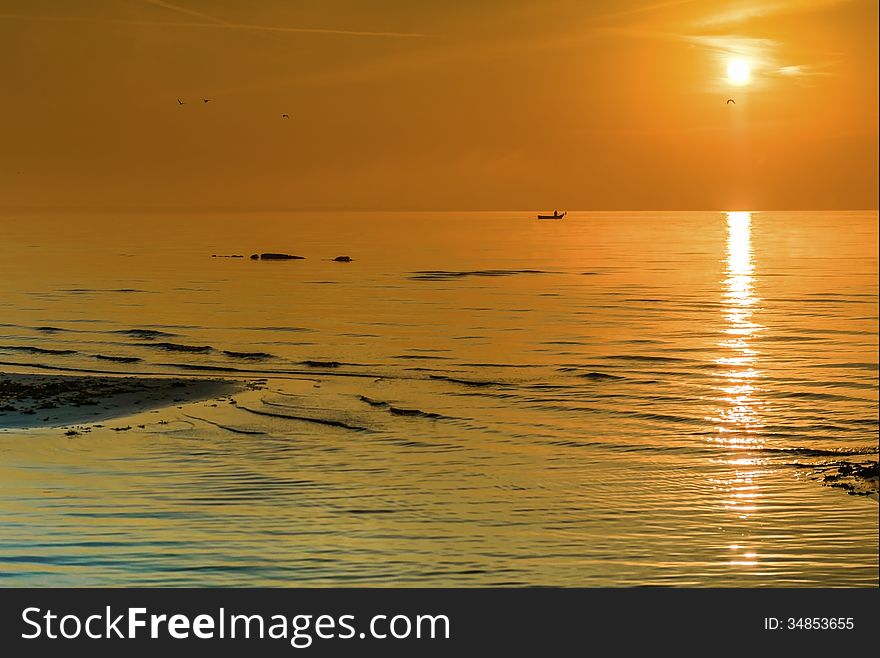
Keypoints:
pixel 395 104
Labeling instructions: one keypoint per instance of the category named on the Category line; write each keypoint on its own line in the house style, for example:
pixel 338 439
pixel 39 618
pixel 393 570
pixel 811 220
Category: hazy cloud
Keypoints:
pixel 763 54
pixel 746 11
pixel 209 22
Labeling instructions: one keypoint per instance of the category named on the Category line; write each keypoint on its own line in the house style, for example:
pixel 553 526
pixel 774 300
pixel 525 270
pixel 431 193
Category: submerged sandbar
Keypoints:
pixel 28 400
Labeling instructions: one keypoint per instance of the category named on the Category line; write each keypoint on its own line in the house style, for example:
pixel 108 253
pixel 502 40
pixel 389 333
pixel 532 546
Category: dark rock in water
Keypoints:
pixel 321 364
pixel 255 256
pixel 854 478
pixel 343 259
pixel 273 256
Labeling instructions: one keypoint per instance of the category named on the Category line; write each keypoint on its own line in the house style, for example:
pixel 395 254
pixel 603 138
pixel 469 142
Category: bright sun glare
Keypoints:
pixel 738 72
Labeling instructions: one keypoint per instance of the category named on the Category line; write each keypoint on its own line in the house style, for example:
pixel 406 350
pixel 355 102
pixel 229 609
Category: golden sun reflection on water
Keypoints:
pixel 738 422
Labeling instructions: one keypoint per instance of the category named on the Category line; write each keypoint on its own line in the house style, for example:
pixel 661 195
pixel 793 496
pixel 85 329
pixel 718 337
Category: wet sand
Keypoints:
pixel 34 401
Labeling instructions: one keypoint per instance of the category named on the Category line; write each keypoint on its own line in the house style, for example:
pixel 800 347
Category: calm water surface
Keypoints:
pixel 611 399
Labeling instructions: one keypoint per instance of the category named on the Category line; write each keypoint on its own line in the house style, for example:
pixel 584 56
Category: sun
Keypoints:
pixel 738 72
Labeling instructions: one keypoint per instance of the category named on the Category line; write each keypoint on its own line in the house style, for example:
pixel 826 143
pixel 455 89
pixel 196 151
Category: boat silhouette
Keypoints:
pixel 555 215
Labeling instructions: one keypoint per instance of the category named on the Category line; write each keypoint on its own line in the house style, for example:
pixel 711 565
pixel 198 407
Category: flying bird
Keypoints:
pixel 207 100
pixel 730 100
pixel 180 102
pixel 285 116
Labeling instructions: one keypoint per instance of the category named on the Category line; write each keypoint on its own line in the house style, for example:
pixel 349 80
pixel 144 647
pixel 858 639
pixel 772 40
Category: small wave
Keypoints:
pixel 247 355
pixel 47 366
pixel 194 366
pixel 497 365
pixel 118 359
pixel 790 339
pixel 90 291
pixel 567 443
pixel 848 366
pixel 319 421
pixel 420 357
pixel 146 334
pixel 35 350
pixel 649 359
pixel 400 411
pixel 175 347
pixel 320 364
pixel 466 382
pixel 820 452
pixel 278 329
pixel 599 376
pixel 804 395
pixel 50 330
pixel 865 422
pixel 820 424
pixel 372 402
pixel 643 415
pixel 228 428
pixel 814 300
pixel 442 275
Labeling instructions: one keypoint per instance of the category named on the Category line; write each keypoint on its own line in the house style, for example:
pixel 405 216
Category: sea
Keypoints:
pixel 476 399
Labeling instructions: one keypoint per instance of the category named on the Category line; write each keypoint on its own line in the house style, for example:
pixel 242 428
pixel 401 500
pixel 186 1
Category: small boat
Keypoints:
pixel 555 215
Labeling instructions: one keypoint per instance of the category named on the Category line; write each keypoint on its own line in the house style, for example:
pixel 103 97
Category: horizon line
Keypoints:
pixel 281 209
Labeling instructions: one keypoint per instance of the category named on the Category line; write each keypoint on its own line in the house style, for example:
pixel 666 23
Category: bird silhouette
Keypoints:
pixel 730 100
pixel 207 100
pixel 285 116
pixel 180 102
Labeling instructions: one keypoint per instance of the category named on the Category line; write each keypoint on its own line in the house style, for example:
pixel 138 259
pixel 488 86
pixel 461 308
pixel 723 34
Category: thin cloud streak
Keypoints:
pixel 184 10
pixel 761 53
pixel 212 25
pixel 645 9
pixel 748 12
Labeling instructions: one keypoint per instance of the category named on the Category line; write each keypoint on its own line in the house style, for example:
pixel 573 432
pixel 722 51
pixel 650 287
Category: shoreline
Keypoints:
pixel 32 401
pixel 69 401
